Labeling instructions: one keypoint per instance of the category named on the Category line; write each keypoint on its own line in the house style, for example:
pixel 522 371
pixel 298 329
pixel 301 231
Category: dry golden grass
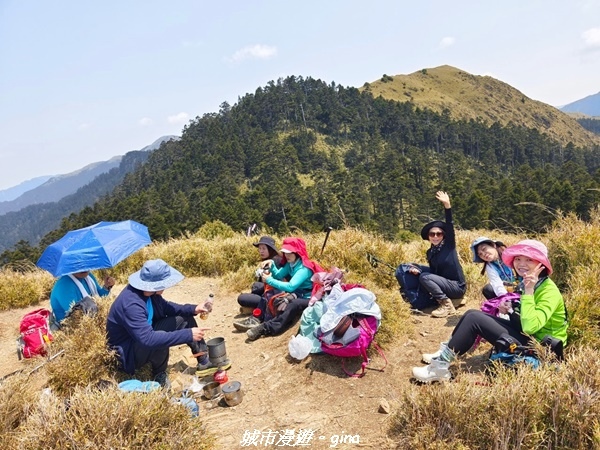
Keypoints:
pixel 23 287
pixel 94 418
pixel 483 98
pixel 556 406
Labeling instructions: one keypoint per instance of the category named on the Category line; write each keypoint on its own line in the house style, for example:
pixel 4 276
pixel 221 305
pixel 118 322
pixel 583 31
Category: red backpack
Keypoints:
pixel 35 334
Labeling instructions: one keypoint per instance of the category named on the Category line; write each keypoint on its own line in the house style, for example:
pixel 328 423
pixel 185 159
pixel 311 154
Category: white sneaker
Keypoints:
pixel 436 371
pixel 428 357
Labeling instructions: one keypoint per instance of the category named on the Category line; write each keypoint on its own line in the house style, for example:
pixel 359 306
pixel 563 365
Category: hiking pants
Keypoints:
pixel 441 288
pixel 488 292
pixel 252 299
pixel 159 357
pixel 474 323
pixel 286 319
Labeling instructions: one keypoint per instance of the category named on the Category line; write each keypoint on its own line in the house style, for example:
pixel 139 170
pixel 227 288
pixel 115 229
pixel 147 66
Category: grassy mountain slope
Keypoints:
pixel 477 97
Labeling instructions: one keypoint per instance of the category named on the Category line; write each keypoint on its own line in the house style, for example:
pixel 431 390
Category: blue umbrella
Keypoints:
pixel 98 246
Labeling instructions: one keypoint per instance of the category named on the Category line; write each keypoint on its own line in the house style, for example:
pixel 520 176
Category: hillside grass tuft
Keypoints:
pixel 556 406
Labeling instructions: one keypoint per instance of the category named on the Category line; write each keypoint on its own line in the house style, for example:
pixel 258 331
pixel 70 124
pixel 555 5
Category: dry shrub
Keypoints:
pixel 93 418
pixel 21 288
pixel 86 359
pixel 16 396
pixel 552 407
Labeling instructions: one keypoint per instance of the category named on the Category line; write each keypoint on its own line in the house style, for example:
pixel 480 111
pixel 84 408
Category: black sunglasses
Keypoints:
pixel 436 233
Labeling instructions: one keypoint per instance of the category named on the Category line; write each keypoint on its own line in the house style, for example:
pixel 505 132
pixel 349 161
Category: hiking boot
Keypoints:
pixel 436 371
pixel 246 324
pixel 245 310
pixel 445 309
pixel 208 368
pixel 256 332
pixel 163 379
pixel 428 357
pixel 459 302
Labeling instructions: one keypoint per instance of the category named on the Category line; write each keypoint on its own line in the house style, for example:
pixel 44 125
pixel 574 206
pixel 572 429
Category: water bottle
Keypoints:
pixel 208 306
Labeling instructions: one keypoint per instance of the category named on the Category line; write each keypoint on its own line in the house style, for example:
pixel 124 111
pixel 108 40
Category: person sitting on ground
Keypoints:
pixel 142 325
pixel 267 251
pixel 298 268
pixel 69 290
pixel 542 313
pixel 443 280
pixel 499 275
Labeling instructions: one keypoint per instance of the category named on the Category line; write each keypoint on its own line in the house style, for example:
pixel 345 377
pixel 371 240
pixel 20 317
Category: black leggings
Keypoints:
pixel 474 323
pixel 286 319
pixel 252 299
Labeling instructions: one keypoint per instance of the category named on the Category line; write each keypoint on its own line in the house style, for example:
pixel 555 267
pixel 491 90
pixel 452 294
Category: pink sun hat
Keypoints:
pixel 529 248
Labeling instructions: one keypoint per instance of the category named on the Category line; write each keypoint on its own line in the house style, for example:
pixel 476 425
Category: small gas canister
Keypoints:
pixel 220 376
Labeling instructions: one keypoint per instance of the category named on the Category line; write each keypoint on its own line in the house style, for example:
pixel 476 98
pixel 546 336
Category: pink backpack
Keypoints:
pixel 367 327
pixel 35 334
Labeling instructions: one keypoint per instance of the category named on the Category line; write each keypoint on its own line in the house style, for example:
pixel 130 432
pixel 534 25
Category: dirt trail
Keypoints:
pixel 279 393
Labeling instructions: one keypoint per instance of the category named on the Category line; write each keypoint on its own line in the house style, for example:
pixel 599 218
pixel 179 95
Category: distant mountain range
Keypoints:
pixel 72 192
pixel 6 195
pixel 53 188
pixel 589 106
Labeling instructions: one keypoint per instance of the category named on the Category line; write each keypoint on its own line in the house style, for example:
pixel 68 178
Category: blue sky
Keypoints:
pixel 84 81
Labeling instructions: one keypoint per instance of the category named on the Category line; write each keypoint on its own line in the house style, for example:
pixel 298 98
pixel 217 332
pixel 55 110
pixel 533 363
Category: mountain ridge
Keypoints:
pixel 590 106
pixel 480 97
pixel 59 186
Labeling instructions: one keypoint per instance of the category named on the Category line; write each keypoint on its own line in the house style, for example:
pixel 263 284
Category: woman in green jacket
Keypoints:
pixel 541 312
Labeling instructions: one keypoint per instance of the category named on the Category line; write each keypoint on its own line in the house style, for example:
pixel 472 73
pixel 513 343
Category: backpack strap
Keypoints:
pixel 363 350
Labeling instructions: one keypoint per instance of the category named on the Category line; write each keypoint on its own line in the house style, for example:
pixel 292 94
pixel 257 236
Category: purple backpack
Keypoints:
pixel 366 327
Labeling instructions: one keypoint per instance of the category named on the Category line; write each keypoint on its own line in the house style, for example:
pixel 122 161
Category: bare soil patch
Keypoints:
pixel 280 393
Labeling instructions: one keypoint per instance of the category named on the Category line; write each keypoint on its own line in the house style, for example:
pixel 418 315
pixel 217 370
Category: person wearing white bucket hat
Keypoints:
pixel 541 314
pixel 142 325
pixel 489 252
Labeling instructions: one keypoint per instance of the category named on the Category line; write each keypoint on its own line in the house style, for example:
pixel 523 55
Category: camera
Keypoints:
pixel 260 272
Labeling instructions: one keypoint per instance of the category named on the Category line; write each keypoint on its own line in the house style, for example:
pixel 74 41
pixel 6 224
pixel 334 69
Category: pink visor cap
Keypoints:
pixel 529 248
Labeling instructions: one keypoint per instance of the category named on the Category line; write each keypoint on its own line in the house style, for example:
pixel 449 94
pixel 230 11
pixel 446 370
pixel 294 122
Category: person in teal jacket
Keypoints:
pixel 71 289
pixel 298 268
pixel 541 314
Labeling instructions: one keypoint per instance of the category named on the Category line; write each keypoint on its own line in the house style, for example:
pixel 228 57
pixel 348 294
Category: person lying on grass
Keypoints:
pixel 540 313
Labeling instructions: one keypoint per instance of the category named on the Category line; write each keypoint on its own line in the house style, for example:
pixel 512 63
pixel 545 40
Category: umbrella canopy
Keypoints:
pixel 98 246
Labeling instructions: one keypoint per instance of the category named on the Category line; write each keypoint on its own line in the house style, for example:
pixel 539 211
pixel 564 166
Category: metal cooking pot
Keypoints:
pixel 232 393
pixel 212 390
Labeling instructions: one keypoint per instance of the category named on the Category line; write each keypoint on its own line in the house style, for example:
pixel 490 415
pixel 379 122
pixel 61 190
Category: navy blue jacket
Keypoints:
pixel 127 323
pixel 444 261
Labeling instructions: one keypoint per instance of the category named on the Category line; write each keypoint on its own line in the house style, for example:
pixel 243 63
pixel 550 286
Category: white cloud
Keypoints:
pixel 145 121
pixel 182 117
pixel 591 38
pixel 84 126
pixel 447 41
pixel 253 52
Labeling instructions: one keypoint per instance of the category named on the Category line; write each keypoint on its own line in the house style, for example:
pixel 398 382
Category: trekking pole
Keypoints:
pixel 325 241
pixel 375 261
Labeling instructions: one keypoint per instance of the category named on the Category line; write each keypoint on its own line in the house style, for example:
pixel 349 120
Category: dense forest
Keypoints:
pixel 33 222
pixel 590 124
pixel 301 153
